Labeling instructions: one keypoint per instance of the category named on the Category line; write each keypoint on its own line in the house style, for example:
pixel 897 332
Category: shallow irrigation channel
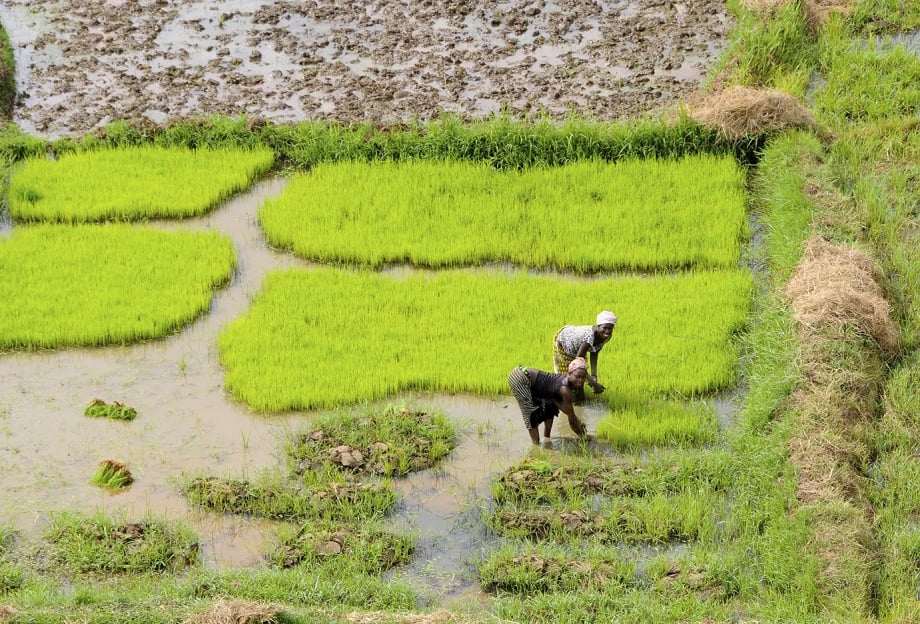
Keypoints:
pixel 187 424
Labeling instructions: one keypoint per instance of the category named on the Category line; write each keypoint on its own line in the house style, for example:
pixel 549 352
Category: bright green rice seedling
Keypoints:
pixel 438 332
pixel 365 549
pixel 132 184
pixel 586 216
pixel 114 410
pixel 659 423
pixel 102 544
pixel 113 475
pixel 96 285
pixel 546 568
pixel 316 494
pixel 390 441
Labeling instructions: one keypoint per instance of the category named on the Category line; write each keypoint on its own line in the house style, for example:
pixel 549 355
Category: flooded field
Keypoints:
pixel 82 65
pixel 186 424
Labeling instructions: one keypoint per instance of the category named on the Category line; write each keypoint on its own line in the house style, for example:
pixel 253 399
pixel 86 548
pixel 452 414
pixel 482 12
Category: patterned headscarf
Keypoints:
pixel 577 363
pixel 606 318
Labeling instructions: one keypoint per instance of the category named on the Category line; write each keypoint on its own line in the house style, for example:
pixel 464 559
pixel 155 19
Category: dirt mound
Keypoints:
pixel 835 286
pixel 743 111
pixel 236 612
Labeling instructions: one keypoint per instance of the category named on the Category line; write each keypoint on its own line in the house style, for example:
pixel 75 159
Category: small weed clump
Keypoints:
pixel 103 544
pixel 98 408
pixel 112 475
pixel 362 548
pixel 391 442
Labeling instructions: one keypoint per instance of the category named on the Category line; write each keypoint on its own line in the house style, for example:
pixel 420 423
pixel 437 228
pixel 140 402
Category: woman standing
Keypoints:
pixel 577 341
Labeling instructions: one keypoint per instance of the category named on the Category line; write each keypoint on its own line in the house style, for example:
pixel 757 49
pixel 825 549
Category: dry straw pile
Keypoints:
pixel 742 111
pixel 236 612
pixel 836 286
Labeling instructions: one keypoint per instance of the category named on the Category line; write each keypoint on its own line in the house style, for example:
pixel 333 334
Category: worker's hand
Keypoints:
pixel 597 387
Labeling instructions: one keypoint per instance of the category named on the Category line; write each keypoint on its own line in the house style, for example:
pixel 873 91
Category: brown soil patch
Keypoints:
pixel 84 64
pixel 838 286
pixel 237 612
pixel 743 111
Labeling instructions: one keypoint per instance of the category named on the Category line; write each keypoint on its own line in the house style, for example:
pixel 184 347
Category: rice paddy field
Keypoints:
pixel 256 372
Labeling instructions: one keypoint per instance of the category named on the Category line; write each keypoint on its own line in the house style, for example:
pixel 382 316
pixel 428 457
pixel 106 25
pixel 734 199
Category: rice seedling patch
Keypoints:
pixel 558 479
pixel 659 423
pixel 112 475
pixel 365 548
pixel 392 442
pixel 674 336
pixel 94 285
pixel 131 184
pixel 655 519
pixel 102 544
pixel 544 568
pixel 661 213
pixel 315 495
pixel 98 408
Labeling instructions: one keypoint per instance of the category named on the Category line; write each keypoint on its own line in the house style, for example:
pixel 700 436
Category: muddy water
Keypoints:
pixel 187 424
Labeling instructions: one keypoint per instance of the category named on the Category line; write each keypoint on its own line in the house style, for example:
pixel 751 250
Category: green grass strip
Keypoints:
pixel 132 184
pixel 323 337
pixel 587 216
pixel 105 284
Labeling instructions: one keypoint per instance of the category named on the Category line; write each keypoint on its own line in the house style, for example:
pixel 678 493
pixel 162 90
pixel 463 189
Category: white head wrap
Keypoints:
pixel 606 318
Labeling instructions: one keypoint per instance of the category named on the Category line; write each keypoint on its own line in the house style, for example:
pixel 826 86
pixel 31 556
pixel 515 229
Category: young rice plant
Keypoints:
pixel 586 216
pixel 132 184
pixel 318 338
pixel 95 285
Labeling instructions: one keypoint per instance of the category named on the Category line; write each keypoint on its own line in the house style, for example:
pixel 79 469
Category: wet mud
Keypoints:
pixel 84 64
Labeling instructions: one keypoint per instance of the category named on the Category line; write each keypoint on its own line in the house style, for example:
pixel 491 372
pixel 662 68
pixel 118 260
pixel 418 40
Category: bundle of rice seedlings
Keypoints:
pixel 236 612
pixel 112 475
pixel 115 410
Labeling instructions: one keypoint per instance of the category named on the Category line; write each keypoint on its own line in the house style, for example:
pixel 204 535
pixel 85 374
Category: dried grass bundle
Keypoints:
pixel 835 286
pixel 236 612
pixel 742 111
pixel 441 616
